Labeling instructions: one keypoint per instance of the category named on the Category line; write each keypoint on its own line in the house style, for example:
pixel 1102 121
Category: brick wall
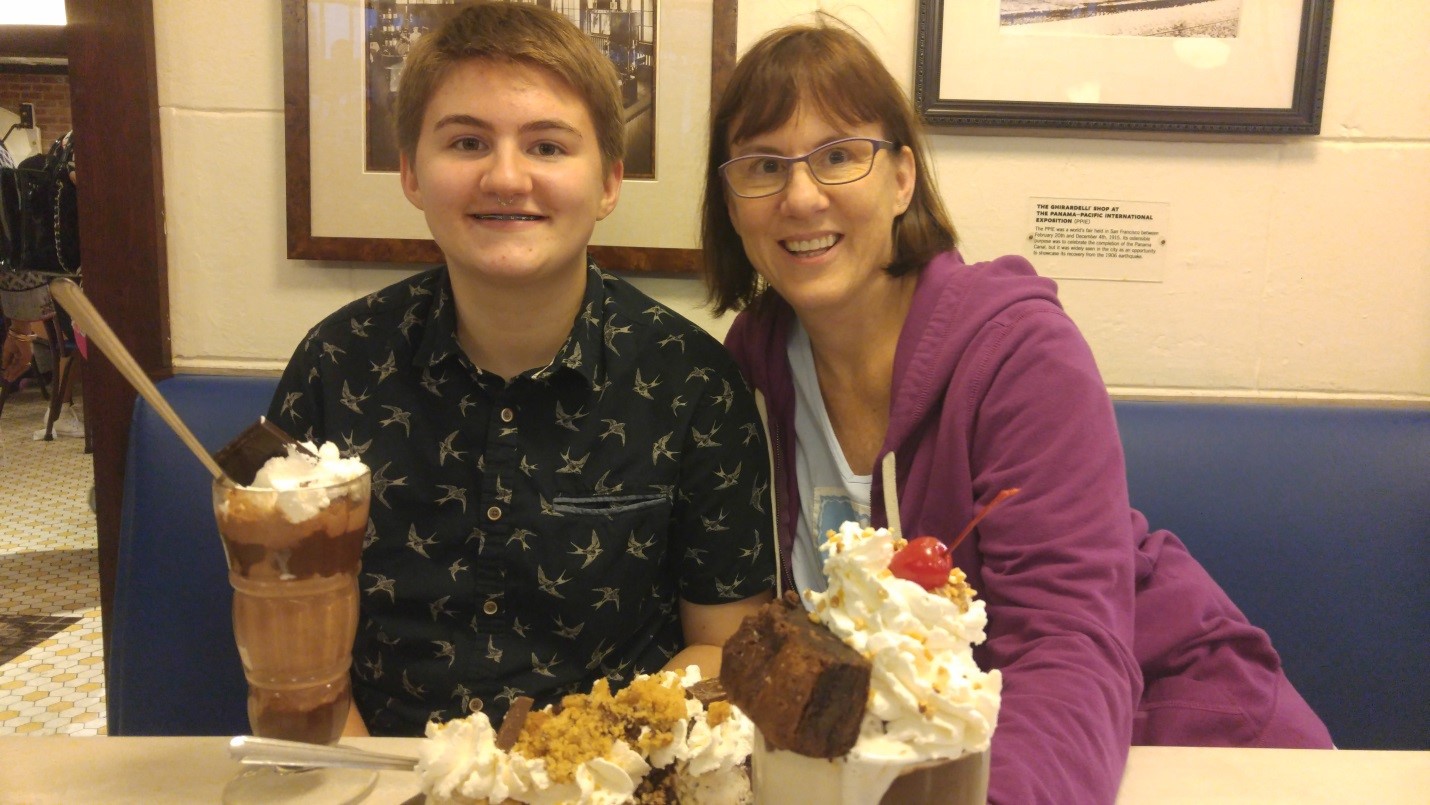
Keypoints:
pixel 49 93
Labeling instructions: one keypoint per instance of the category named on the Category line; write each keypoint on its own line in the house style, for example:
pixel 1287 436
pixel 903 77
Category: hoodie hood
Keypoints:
pixel 955 307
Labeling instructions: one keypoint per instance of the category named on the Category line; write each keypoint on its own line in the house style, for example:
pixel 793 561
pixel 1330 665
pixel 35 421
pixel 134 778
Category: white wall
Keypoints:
pixel 1295 267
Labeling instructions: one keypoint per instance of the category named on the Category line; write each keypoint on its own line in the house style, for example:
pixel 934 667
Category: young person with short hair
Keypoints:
pixel 569 481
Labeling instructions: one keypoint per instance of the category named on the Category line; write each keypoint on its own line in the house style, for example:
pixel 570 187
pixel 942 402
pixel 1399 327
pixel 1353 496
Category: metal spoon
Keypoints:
pixel 254 751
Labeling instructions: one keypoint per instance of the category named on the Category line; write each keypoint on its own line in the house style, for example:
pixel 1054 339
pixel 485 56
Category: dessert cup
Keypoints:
pixel 293 560
pixel 781 776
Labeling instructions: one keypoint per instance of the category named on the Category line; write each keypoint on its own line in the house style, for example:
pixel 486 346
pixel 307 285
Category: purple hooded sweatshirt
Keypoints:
pixel 1107 634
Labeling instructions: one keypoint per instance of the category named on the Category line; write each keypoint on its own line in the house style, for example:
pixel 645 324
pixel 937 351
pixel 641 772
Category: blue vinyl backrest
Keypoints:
pixel 1315 519
pixel 172 666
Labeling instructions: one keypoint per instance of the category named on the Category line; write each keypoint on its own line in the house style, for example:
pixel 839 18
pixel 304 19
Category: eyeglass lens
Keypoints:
pixel 839 162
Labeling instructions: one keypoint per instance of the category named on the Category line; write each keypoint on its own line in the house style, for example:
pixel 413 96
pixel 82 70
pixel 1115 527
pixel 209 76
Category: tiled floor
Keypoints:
pixel 51 660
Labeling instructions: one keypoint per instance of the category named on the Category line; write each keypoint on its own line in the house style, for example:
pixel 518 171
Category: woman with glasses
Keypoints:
pixel 868 334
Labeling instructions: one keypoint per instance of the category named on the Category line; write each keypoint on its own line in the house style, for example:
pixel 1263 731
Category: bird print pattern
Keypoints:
pixel 528 536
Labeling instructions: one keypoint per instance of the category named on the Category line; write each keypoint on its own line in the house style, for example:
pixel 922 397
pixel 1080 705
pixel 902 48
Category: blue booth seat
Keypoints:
pixel 1315 519
pixel 172 667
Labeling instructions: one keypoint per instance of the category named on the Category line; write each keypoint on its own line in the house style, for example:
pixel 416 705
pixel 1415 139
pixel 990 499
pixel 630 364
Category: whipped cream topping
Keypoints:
pixel 460 759
pixel 928 698
pixel 311 476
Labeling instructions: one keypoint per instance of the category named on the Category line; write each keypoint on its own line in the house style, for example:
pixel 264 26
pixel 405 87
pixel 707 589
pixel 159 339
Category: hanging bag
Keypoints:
pixel 41 212
pixel 9 212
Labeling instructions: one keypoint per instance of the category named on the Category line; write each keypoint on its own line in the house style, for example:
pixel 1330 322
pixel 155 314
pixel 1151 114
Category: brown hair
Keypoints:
pixel 836 72
pixel 518 33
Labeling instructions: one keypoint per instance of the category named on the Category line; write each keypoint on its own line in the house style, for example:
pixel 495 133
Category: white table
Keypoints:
pixel 172 770
pixel 1174 775
pixel 59 769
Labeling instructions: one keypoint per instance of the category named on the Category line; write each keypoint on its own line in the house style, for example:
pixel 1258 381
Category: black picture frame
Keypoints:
pixel 941 109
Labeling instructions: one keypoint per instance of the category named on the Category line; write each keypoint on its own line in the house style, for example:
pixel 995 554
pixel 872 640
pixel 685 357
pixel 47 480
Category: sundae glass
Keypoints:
pixel 868 692
pixel 294 548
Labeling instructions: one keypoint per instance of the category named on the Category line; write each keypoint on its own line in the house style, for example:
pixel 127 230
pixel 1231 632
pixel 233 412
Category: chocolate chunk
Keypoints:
pixel 707 691
pixel 512 723
pixel 802 686
pixel 243 457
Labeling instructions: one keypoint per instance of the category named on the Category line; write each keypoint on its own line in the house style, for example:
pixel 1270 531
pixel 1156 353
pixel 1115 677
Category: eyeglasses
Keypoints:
pixel 839 162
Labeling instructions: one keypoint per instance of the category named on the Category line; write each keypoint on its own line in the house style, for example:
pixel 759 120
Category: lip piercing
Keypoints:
pixel 505 202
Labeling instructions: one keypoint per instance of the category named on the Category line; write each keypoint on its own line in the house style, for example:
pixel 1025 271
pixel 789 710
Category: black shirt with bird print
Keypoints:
pixel 528 537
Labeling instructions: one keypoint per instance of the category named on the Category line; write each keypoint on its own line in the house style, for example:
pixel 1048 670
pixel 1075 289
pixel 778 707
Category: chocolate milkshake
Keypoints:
pixel 294 542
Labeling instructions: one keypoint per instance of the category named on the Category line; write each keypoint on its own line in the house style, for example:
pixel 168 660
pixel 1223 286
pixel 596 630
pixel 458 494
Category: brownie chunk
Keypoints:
pixel 801 686
pixel 243 457
pixel 513 722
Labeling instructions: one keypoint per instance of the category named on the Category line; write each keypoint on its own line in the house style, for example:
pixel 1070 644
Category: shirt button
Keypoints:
pixel 507 415
pixel 494 513
pixel 490 607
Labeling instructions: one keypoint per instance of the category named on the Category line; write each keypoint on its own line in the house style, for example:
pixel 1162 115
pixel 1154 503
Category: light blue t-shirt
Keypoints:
pixel 829 492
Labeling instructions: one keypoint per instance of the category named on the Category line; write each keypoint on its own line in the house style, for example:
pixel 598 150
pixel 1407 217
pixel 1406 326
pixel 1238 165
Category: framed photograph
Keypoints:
pixel 1188 66
pixel 341 60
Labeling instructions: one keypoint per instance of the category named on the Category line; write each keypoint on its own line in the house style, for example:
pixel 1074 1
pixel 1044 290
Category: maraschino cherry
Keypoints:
pixel 926 561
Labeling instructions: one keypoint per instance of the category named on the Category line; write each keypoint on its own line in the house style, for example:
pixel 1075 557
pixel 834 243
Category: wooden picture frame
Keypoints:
pixel 974 71
pixel 307 244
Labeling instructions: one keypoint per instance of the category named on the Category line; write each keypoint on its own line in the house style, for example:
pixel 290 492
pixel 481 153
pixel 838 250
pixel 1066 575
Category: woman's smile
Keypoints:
pixel 811 246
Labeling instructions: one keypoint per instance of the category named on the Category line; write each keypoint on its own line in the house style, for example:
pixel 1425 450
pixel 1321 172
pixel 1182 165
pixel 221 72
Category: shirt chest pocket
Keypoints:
pixel 608 505
pixel 614 534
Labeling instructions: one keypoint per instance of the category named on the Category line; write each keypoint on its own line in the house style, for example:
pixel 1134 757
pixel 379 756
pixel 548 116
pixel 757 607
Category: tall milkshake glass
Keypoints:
pixel 293 558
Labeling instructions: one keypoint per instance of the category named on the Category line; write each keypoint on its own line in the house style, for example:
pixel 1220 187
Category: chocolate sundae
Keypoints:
pixel 872 694
pixel 654 741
